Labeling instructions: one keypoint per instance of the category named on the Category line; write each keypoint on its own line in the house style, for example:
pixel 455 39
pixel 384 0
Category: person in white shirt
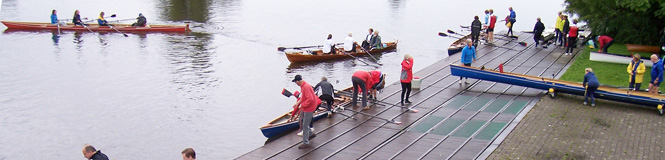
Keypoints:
pixel 350 43
pixel 368 39
pixel 328 45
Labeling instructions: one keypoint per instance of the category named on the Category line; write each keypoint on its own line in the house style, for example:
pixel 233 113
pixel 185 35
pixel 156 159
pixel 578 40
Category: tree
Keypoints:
pixel 628 21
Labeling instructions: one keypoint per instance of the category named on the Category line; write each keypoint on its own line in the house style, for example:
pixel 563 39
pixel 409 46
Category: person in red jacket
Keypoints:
pixel 490 28
pixel 361 80
pixel 572 37
pixel 307 104
pixel 406 77
pixel 378 83
pixel 605 42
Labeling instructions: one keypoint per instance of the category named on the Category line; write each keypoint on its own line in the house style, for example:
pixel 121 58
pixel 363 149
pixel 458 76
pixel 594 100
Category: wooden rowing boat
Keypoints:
pixel 555 86
pixel 283 124
pixel 642 48
pixel 95 27
pixel 459 44
pixel 317 55
pixel 616 58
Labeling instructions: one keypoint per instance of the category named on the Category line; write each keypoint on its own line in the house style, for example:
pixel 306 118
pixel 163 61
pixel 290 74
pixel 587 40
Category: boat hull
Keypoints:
pixel 614 58
pixel 276 130
pixel 609 93
pixel 95 27
pixel 297 57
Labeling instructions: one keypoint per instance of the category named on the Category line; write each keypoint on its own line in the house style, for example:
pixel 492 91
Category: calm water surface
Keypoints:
pixel 148 96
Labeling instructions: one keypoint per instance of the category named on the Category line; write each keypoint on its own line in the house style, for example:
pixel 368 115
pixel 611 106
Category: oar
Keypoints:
pixel 110 26
pixel 370 55
pixel 281 49
pixel 453 32
pixel 112 16
pixel 360 60
pixel 387 120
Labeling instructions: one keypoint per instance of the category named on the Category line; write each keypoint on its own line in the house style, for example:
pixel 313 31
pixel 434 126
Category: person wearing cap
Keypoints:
pixel 307 104
pixel 140 21
pixel 361 80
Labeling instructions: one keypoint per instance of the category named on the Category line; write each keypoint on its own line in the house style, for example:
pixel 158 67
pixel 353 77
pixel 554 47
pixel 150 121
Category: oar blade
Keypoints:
pixel 113 16
pixel 281 49
pixel 523 43
pixel 451 31
pixel 286 93
pixel 443 34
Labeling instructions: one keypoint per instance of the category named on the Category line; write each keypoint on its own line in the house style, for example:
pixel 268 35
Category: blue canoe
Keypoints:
pixel 555 86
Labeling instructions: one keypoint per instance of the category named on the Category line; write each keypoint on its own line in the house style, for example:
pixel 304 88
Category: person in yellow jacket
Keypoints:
pixel 558 29
pixel 636 73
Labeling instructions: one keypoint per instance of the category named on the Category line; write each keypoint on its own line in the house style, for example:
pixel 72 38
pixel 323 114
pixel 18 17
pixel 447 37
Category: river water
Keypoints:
pixel 149 96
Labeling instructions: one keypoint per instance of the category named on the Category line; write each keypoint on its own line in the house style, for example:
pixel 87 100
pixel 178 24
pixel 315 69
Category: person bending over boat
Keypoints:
pixel 140 21
pixel 361 81
pixel 573 31
pixel 77 19
pixel 376 41
pixel 468 56
pixel 378 83
pixel 405 78
pixel 656 74
pixel 538 31
pixel 591 84
pixel 328 45
pixel 368 39
pixel 350 43
pixel 327 93
pixel 188 154
pixel 476 26
pixel 101 21
pixel 605 42
pixel 636 71
pixel 91 153
pixel 308 105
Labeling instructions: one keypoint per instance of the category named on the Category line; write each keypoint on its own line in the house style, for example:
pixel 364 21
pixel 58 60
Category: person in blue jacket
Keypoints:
pixel 590 84
pixel 656 74
pixel 468 56
pixel 54 17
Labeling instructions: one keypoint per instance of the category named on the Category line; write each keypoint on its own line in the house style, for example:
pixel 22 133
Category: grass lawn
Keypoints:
pixel 611 74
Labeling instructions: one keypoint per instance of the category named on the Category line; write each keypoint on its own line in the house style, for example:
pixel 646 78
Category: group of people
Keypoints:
pixel 76 20
pixel 371 41
pixel 565 34
pixel 367 83
pixel 89 152
pixel 490 24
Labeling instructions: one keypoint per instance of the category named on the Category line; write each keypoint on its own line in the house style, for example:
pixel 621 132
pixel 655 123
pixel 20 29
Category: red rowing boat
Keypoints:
pixel 95 27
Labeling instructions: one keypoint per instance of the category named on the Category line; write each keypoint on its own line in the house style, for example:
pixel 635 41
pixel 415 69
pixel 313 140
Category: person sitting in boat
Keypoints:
pixel 636 71
pixel 54 18
pixel 605 42
pixel 77 19
pixel 350 43
pixel 591 84
pixel 368 39
pixel 328 45
pixel 101 21
pixel 140 21
pixel 376 41
pixel 656 74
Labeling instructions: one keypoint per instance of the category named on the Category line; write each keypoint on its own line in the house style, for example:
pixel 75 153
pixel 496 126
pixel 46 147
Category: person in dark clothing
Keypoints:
pixel 368 39
pixel 91 153
pixel 140 21
pixel 77 19
pixel 591 84
pixel 475 30
pixel 564 32
pixel 327 93
pixel 538 31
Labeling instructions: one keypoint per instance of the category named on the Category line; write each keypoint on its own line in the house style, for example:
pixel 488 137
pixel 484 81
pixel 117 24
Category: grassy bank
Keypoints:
pixel 607 73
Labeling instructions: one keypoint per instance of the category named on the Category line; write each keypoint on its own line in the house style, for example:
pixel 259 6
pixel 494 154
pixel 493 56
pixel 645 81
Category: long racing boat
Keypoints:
pixel 317 55
pixel 96 27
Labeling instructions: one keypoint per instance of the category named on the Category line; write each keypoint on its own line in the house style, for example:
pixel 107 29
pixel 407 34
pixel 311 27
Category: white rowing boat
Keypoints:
pixel 615 58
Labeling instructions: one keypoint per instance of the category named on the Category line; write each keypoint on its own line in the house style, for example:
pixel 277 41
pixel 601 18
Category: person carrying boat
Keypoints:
pixel 350 43
pixel 376 41
pixel 538 31
pixel 77 19
pixel 91 153
pixel 328 45
pixel 468 56
pixel 101 21
pixel 656 74
pixel 327 93
pixel 591 85
pixel 476 26
pixel 636 71
pixel 573 31
pixel 490 28
pixel 605 42
pixel 511 20
pixel 188 154
pixel 140 21
pixel 307 104
pixel 405 78
pixel 361 81
pixel 368 39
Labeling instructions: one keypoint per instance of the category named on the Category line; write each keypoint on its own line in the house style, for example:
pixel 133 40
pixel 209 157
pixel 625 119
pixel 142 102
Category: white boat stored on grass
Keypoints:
pixel 615 58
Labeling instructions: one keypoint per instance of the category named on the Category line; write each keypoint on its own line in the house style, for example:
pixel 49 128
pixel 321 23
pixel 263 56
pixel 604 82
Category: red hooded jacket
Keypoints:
pixel 407 65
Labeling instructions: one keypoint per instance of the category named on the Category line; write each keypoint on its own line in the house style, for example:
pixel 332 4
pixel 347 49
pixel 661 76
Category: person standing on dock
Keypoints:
pixel 636 71
pixel 538 31
pixel 573 31
pixel 605 42
pixel 188 154
pixel 327 93
pixel 468 56
pixel 328 45
pixel 591 85
pixel 512 21
pixel 564 31
pixel 558 27
pixel 487 18
pixel 406 77
pixel 490 28
pixel 368 39
pixel 656 74
pixel 350 43
pixel 307 104
pixel 361 80
pixel 476 26
pixel 91 153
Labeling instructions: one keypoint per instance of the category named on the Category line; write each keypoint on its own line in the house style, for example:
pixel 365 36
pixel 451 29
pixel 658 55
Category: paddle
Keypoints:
pixel 370 55
pixel 286 92
pixel 110 26
pixel 453 32
pixel 361 60
pixel 93 20
pixel 281 49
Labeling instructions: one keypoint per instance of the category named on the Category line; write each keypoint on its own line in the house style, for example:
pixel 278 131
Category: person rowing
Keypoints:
pixel 140 21
pixel 101 21
pixel 54 18
pixel 77 19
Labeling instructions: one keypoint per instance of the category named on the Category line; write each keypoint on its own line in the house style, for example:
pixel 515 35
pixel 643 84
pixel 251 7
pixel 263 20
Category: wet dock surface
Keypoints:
pixel 455 121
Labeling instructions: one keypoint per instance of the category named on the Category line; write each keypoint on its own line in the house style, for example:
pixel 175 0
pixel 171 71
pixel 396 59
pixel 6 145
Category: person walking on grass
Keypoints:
pixel 573 31
pixel 636 71
pixel 538 31
pixel 656 74
pixel 591 85
pixel 308 105
pixel 405 78
pixel 468 56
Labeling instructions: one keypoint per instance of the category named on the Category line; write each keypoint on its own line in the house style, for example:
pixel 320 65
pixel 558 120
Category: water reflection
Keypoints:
pixel 55 37
pixel 179 10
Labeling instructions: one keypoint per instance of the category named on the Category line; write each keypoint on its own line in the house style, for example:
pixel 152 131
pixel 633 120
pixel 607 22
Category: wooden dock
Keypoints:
pixel 455 121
